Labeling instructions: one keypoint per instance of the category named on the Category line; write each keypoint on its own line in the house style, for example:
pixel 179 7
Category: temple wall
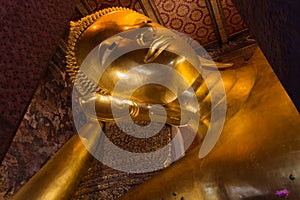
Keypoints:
pixel 30 31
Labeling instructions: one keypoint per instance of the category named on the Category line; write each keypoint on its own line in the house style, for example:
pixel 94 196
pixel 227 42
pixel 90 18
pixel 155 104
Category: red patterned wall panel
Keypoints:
pixel 101 4
pixel 232 17
pixel 187 16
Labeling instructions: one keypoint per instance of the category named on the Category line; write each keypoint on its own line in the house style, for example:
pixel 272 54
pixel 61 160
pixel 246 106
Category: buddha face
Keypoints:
pixel 139 42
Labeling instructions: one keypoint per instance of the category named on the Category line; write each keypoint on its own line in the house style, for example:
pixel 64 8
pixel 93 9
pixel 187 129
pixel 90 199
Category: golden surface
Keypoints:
pixel 258 150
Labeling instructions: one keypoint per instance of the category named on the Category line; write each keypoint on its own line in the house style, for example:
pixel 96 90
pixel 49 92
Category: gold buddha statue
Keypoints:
pixel 149 73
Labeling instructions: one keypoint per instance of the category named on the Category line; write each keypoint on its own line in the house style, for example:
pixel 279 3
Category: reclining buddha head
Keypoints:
pixel 118 57
pixel 118 43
